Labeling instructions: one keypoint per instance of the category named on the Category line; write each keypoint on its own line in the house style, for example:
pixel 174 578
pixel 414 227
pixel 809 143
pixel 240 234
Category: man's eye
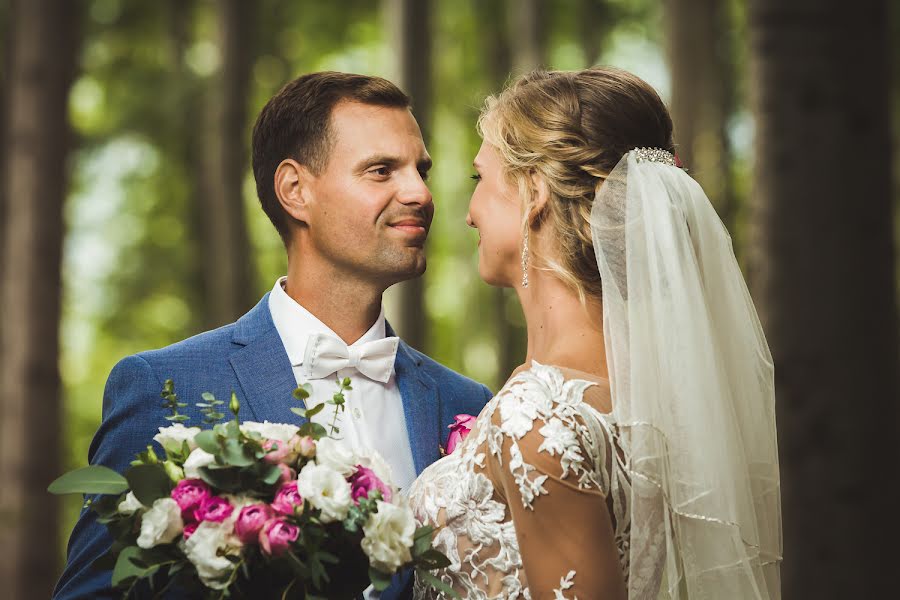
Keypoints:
pixel 381 171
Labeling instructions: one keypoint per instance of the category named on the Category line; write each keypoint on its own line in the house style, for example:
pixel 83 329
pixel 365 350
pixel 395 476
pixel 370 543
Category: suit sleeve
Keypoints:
pixel 131 415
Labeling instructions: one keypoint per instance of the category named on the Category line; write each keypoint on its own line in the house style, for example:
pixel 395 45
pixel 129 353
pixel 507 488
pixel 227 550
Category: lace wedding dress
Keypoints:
pixel 543 452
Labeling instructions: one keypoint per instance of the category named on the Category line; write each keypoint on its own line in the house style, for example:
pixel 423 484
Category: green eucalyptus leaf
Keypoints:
pixel 125 568
pixel 206 440
pixel 380 581
pixel 149 483
pixel 422 540
pixel 208 396
pixel 436 583
pixel 95 479
pixel 311 412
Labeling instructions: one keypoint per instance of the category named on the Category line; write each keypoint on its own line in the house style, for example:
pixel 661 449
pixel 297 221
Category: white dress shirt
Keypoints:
pixel 373 411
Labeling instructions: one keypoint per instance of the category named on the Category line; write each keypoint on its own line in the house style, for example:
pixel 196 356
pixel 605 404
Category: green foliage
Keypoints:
pixel 149 483
pixel 94 479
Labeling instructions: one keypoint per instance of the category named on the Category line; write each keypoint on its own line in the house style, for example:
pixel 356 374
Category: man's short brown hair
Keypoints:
pixel 296 123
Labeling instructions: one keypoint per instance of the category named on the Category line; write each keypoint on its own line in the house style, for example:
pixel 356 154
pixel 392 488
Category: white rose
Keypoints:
pixel 198 458
pixel 337 457
pixel 130 504
pixel 173 436
pixel 326 489
pixel 281 432
pixel 208 549
pixel 161 524
pixel 389 537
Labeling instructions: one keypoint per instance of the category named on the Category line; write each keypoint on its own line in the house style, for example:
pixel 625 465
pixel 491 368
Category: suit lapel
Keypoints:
pixel 421 407
pixel 262 368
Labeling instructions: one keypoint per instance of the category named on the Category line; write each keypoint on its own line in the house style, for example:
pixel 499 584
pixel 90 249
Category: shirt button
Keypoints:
pixel 356 413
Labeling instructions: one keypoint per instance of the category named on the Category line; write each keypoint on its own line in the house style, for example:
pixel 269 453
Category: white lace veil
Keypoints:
pixel 692 389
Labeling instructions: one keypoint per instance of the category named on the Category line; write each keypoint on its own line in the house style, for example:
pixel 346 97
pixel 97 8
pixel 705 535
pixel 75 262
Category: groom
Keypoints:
pixel 340 170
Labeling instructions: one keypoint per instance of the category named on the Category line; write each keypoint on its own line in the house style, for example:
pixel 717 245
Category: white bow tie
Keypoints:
pixel 326 354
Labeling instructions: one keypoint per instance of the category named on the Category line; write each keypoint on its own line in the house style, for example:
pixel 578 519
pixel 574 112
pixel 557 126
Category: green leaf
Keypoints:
pixel 300 412
pixel 433 559
pixel 208 396
pixel 311 412
pixel 149 483
pixel 95 479
pixel 422 540
pixel 436 583
pixel 303 392
pixel 125 568
pixel 380 581
pixel 206 441
pixel 233 454
pixel 271 475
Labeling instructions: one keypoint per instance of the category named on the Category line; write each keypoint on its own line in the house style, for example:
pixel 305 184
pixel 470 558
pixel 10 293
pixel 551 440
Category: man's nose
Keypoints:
pixel 415 191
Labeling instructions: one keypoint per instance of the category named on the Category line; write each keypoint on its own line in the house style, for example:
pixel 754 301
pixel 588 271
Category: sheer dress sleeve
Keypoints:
pixel 553 462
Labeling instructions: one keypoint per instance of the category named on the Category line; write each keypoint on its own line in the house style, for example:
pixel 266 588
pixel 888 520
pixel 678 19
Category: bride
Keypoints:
pixel 633 454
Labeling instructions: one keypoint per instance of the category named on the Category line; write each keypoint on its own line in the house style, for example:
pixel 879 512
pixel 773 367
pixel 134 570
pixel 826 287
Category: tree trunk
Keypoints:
pixel 825 281
pixel 227 260
pixel 410 24
pixel 42 67
pixel 702 79
pixel 527 34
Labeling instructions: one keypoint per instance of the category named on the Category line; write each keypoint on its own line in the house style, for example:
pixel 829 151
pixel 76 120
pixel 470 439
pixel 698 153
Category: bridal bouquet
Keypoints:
pixel 254 510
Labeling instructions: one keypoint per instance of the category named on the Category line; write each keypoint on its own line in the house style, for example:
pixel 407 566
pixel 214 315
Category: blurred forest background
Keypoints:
pixel 129 216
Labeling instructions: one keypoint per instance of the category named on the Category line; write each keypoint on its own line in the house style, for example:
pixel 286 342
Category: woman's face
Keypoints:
pixel 495 211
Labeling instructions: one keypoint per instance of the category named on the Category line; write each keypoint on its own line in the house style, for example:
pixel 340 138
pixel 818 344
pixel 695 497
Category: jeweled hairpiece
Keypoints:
pixel 655 155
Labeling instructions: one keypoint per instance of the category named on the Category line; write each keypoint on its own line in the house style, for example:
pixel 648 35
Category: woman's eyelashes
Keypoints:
pixel 475 177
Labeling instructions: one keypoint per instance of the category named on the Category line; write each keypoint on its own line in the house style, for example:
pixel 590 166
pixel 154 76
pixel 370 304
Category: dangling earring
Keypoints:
pixel 525 260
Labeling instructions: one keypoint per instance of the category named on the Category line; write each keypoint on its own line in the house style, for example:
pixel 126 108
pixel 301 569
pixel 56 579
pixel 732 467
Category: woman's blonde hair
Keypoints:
pixel 572 128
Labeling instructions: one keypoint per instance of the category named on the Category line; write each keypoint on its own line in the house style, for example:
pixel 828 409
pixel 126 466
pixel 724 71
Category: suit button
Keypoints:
pixel 356 413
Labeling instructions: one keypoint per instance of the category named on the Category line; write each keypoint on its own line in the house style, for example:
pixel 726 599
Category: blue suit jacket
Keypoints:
pixel 249 358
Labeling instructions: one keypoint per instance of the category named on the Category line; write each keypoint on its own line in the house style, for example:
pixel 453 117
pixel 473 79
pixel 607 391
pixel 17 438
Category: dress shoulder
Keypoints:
pixel 549 427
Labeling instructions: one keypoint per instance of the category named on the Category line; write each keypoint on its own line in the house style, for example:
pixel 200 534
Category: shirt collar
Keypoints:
pixel 295 324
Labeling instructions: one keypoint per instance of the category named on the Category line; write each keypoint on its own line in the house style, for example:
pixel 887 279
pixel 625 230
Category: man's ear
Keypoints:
pixel 293 189
pixel 539 199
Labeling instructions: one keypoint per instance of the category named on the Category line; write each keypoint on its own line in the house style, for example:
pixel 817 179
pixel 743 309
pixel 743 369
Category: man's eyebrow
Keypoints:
pixel 377 159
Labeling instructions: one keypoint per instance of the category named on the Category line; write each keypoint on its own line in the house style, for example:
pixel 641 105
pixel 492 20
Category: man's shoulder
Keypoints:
pixel 444 376
pixel 208 343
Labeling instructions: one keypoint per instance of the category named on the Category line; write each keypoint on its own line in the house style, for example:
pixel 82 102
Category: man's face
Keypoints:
pixel 369 210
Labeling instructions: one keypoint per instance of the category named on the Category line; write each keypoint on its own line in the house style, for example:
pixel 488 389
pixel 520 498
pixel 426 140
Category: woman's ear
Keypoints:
pixel 293 189
pixel 539 199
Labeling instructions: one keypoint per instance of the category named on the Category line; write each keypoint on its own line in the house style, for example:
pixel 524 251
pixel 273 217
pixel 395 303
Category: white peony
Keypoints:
pixel 198 458
pixel 161 524
pixel 326 489
pixel 208 549
pixel 281 432
pixel 337 457
pixel 130 504
pixel 389 536
pixel 173 436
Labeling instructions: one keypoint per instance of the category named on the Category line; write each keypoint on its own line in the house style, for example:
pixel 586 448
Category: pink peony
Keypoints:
pixel 459 430
pixel 276 535
pixel 250 522
pixel 288 499
pixel 189 529
pixel 364 481
pixel 277 450
pixel 215 509
pixel 189 494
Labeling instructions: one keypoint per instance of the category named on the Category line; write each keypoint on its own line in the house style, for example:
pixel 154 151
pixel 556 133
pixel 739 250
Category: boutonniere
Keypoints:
pixel 459 429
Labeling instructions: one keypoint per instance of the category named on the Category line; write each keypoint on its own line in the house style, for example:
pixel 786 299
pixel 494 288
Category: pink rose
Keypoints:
pixel 250 522
pixel 364 481
pixel 276 535
pixel 189 494
pixel 288 499
pixel 190 528
pixel 287 473
pixel 459 430
pixel 277 450
pixel 215 509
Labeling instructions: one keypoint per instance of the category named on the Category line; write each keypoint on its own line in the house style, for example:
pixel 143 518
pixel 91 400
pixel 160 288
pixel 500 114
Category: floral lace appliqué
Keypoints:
pixel 474 529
